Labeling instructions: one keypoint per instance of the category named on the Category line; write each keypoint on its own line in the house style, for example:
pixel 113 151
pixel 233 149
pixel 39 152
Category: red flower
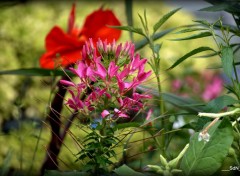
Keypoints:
pixel 65 48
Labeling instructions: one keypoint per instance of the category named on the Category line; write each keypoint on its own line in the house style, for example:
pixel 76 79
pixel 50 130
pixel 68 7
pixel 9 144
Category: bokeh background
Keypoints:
pixel 24 100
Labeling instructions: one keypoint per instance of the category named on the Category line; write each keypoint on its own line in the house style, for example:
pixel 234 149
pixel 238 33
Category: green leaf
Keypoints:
pixel 208 55
pixel 6 163
pixel 206 158
pixel 124 170
pixel 195 36
pixel 190 30
pixel 140 44
pixel 219 103
pixel 130 29
pixel 164 19
pixel 227 60
pixel 221 7
pixel 157 48
pixel 128 12
pixel 127 125
pixel 191 53
pixel 36 72
pixel 184 103
pixel 203 22
pixel 70 173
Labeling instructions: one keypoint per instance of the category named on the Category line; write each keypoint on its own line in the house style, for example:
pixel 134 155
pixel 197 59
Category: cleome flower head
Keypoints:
pixel 108 76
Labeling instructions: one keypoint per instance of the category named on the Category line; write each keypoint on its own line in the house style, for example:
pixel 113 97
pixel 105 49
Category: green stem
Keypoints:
pixel 156 69
pixel 235 72
pixel 217 115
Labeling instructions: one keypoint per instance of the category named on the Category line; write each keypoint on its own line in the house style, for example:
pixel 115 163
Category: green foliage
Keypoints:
pixel 205 158
pixel 227 60
pixel 217 104
pixel 70 173
pixel 187 104
pixel 130 29
pixel 164 18
pixel 168 168
pixel 191 53
pixel 98 149
pixel 124 170
pixel 195 36
pixel 4 169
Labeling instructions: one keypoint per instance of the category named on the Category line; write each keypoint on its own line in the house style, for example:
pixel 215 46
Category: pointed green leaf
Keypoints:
pixel 195 36
pixel 128 12
pixel 124 170
pixel 220 7
pixel 219 103
pixel 36 72
pixel 206 158
pixel 164 19
pixel 130 29
pixel 184 103
pixel 208 55
pixel 157 48
pixel 203 22
pixel 187 104
pixel 190 30
pixel 144 42
pixel 227 60
pixel 191 53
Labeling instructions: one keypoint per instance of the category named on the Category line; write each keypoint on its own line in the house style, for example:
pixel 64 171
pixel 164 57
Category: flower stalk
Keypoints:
pixel 218 115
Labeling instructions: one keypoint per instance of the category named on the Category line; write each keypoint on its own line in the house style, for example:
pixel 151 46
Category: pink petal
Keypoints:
pixel 101 71
pixel 120 113
pixel 105 113
pixel 149 114
pixel 67 83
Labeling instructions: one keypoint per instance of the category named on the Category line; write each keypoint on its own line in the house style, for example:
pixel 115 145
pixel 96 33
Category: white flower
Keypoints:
pixel 204 136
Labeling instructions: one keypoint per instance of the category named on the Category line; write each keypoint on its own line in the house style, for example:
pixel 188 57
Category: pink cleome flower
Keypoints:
pixel 111 72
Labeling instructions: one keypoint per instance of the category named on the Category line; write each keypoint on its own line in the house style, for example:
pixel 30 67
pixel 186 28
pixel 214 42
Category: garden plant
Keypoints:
pixel 109 96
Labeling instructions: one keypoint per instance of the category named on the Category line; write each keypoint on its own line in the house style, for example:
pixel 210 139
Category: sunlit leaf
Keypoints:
pixel 227 60
pixel 205 158
pixel 124 170
pixel 195 36
pixel 191 53
pixel 164 19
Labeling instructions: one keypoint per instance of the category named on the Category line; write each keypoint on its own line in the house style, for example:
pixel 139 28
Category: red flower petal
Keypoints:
pixel 96 23
pixel 71 19
pixel 57 38
pixel 69 45
pixel 62 56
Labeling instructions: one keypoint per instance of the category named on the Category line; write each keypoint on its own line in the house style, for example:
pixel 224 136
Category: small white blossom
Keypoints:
pixel 204 136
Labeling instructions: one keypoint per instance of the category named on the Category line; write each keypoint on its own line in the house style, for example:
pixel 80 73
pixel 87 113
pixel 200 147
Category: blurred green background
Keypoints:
pixel 23 27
